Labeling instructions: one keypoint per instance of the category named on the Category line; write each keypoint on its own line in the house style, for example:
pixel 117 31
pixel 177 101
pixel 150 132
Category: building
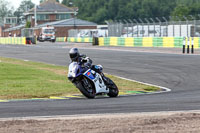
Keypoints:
pixel 1 29
pixel 49 11
pixel 52 13
pixel 62 27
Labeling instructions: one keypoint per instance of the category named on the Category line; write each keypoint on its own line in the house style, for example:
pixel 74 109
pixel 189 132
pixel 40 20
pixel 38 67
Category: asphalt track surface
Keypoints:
pixel 180 73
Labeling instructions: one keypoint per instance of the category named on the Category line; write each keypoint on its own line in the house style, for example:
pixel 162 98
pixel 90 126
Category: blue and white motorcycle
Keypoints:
pixel 91 83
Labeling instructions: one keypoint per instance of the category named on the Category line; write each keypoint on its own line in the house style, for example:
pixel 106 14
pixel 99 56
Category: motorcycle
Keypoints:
pixel 91 83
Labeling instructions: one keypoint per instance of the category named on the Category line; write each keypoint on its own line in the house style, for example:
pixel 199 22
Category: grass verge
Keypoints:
pixel 25 79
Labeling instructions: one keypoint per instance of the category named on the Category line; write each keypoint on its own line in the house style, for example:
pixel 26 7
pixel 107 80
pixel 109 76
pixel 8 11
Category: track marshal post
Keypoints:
pixel 184 43
pixel 188 45
pixel 192 50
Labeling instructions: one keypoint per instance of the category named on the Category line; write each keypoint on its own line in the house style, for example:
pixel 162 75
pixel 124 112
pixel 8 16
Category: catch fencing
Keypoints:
pixel 154 28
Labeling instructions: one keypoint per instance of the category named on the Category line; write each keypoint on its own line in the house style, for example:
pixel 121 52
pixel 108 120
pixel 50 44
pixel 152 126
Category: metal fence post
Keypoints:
pixel 148 24
pixel 159 24
pixel 142 27
pixel 126 27
pixel 187 24
pixel 132 26
pixel 172 22
pixel 178 19
pixel 154 25
pixel 137 26
pixel 166 25
pixel 194 25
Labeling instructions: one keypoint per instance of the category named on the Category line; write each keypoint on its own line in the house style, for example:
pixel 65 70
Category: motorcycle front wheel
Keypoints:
pixel 86 88
pixel 113 89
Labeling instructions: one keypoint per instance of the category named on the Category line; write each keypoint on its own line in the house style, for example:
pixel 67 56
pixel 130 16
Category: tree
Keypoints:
pixel 66 2
pixel 5 9
pixel 28 24
pixel 24 7
pixel 100 10
pixel 180 11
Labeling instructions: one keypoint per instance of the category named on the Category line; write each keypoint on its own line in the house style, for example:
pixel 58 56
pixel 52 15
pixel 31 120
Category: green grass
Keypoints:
pixel 24 79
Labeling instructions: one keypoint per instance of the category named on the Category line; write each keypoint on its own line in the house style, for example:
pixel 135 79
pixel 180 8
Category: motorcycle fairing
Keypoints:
pixel 98 81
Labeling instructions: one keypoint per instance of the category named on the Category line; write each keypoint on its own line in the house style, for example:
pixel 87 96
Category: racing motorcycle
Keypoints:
pixel 91 83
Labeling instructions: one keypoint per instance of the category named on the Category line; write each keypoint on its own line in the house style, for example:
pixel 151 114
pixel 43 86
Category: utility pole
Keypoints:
pixel 35 14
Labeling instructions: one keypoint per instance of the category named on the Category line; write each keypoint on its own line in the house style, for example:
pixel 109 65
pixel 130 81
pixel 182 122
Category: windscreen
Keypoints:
pixel 49 31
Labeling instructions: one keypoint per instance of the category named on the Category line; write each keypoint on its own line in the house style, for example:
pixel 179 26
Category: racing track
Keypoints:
pixel 175 71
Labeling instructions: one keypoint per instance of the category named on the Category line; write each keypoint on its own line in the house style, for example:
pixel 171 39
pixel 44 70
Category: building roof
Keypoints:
pixel 52 6
pixel 15 27
pixel 68 22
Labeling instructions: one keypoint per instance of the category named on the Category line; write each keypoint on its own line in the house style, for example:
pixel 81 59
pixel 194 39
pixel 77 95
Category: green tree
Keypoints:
pixel 28 24
pixel 24 7
pixel 100 10
pixel 180 11
pixel 5 9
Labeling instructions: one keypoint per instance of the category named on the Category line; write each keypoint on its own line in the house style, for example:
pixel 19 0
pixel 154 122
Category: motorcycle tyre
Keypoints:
pixel 85 92
pixel 113 91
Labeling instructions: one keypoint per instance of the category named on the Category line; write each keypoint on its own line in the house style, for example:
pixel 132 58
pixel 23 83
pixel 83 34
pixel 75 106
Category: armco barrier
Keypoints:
pixel 170 42
pixel 13 40
pixel 61 39
pixel 80 39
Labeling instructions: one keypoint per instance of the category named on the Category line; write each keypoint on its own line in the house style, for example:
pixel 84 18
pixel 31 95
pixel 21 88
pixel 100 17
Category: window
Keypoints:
pixel 29 18
pixel 7 21
pixel 42 17
pixel 10 20
pixel 63 16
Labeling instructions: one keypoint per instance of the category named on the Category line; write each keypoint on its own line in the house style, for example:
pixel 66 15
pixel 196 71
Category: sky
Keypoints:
pixel 16 3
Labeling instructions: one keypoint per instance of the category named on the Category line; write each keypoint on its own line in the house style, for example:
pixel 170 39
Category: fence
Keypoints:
pixel 154 28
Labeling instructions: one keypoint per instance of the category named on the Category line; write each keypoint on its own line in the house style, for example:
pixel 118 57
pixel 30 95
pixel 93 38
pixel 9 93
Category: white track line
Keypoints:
pixel 164 89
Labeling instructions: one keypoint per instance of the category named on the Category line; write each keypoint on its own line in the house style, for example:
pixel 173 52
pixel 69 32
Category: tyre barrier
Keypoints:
pixel 80 39
pixel 165 42
pixel 13 40
pixel 169 42
pixel 18 40
pixel 61 39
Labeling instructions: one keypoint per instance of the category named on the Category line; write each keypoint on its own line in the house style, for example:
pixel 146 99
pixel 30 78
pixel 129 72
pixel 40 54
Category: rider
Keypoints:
pixel 86 62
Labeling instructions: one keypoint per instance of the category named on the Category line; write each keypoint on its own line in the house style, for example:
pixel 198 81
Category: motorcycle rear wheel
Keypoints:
pixel 86 89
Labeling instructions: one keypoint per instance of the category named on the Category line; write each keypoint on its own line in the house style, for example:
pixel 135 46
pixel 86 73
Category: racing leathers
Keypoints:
pixel 86 63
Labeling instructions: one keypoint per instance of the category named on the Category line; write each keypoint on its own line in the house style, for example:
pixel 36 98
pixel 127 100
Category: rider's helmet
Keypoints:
pixel 74 54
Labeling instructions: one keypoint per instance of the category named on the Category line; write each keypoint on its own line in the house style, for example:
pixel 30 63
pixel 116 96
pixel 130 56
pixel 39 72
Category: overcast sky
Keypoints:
pixel 16 3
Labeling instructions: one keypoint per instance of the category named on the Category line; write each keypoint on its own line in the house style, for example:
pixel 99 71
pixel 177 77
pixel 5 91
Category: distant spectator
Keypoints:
pixel 9 34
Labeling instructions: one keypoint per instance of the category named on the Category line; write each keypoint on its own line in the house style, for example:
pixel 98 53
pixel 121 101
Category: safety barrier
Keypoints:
pixel 13 40
pixel 168 42
pixel 61 39
pixel 142 41
pixel 80 39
